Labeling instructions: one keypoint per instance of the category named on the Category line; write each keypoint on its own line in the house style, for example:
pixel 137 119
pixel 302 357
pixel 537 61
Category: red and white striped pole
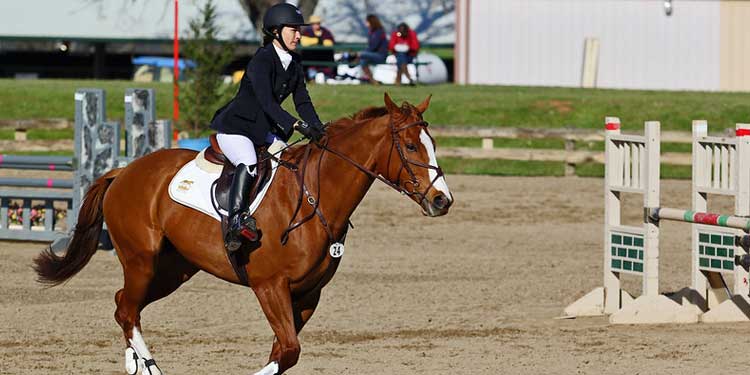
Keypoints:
pixel 176 53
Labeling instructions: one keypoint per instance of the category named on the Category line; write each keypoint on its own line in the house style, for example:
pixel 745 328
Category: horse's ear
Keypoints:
pixel 422 107
pixel 389 104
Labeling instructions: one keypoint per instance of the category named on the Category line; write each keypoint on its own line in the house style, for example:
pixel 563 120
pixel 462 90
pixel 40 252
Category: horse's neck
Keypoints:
pixel 343 185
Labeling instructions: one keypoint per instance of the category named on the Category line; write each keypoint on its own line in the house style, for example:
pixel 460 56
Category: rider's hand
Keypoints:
pixel 320 128
pixel 314 133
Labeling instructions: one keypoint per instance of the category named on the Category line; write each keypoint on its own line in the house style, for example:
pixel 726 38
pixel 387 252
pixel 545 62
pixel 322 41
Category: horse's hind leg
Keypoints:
pixel 172 270
pixel 139 256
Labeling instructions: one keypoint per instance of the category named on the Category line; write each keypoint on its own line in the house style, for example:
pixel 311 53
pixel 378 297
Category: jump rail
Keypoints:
pixel 721 165
pixel 97 150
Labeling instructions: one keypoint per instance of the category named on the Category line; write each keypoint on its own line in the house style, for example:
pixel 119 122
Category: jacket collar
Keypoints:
pixel 277 61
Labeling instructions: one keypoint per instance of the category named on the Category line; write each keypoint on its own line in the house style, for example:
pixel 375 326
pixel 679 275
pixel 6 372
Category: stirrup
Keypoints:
pixel 244 227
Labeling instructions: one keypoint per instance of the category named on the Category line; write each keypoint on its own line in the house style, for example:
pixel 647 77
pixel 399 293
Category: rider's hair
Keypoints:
pixel 268 39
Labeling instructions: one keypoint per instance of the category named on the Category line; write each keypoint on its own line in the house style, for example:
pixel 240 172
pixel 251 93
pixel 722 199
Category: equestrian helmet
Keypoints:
pixel 281 15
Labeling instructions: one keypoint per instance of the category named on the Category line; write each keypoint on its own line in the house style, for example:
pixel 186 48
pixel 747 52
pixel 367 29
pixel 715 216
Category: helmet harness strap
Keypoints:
pixel 277 36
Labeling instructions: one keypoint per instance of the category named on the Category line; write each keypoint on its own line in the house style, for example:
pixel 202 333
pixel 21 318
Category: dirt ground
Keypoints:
pixel 473 292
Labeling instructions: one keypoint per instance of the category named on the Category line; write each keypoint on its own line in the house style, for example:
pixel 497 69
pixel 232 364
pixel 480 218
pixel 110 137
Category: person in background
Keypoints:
pixel 377 47
pixel 405 46
pixel 316 35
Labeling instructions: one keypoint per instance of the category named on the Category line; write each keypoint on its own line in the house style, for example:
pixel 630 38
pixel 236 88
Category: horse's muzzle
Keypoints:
pixel 438 206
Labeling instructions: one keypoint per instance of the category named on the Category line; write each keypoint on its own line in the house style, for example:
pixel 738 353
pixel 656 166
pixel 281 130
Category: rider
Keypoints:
pixel 255 117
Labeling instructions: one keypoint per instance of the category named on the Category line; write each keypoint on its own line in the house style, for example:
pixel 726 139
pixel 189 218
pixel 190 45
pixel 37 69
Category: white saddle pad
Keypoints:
pixel 191 186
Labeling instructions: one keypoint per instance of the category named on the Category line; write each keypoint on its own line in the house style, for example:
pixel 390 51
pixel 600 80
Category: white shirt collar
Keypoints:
pixel 284 56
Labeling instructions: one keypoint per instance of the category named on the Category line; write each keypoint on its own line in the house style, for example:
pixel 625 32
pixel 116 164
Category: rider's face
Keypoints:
pixel 291 36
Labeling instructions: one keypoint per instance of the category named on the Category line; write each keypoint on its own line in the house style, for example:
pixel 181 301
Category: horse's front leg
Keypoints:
pixel 275 299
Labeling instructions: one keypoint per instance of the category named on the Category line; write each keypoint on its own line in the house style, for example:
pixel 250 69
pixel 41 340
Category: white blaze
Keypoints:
pixel 440 182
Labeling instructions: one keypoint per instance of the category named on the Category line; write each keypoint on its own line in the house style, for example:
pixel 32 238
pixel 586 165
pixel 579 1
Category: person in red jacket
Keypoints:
pixel 404 45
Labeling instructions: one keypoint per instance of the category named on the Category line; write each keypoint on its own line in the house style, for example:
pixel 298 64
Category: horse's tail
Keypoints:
pixel 53 269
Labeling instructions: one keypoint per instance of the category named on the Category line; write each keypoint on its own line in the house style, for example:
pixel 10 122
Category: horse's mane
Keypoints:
pixel 359 117
pixel 369 112
pixel 345 123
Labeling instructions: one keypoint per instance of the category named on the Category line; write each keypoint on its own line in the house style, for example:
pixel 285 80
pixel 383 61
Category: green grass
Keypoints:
pixel 679 172
pixel 537 168
pixel 501 167
pixel 53 98
pixel 502 106
pixel 501 142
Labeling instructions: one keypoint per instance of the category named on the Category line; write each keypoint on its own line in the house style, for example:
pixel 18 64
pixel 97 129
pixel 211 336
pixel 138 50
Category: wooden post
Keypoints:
pixel 651 199
pixel 570 165
pixel 487 144
pixel 19 134
pixel 612 207
pixel 742 199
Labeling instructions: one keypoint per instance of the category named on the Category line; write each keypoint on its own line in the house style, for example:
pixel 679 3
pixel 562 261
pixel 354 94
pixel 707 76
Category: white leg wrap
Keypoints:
pixel 270 369
pixel 140 348
pixel 131 361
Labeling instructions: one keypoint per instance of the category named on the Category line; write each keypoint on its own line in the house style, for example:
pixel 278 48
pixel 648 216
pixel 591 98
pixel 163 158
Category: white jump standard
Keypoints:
pixel 720 166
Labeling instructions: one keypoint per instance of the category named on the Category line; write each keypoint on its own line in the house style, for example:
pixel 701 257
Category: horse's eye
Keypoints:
pixel 411 147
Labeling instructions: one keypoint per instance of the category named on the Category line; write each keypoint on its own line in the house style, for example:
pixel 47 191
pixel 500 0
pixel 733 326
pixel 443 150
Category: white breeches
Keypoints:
pixel 237 148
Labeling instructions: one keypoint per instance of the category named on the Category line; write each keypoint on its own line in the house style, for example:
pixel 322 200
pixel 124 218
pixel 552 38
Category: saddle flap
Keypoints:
pixel 224 182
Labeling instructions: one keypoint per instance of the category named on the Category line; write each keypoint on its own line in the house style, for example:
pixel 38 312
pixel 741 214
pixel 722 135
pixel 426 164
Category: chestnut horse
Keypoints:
pixel 161 244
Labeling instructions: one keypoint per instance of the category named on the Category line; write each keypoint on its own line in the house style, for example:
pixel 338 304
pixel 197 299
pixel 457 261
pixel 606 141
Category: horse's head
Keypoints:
pixel 411 164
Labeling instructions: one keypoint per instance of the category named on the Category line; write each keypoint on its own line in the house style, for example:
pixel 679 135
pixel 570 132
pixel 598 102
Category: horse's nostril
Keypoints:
pixel 440 201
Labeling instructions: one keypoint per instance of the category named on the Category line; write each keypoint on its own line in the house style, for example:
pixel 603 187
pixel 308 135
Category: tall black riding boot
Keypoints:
pixel 241 225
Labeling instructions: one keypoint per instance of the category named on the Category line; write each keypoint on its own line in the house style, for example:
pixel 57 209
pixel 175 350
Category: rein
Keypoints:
pixel 406 164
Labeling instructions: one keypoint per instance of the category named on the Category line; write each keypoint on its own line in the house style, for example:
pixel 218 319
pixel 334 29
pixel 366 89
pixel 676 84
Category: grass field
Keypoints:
pixel 502 106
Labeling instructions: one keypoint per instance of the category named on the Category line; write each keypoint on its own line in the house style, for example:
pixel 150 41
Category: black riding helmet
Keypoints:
pixel 277 17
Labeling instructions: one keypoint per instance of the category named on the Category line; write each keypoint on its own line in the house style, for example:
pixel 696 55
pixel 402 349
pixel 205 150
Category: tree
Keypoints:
pixel 348 16
pixel 255 9
pixel 203 90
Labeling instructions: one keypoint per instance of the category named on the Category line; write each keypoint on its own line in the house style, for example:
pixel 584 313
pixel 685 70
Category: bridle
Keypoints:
pixel 406 164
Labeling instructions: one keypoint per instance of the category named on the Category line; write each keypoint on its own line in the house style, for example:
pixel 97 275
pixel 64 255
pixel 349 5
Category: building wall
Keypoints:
pixel 735 46
pixel 541 42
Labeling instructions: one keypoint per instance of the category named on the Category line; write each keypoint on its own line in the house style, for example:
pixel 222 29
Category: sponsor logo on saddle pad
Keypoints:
pixel 192 186
pixel 185 185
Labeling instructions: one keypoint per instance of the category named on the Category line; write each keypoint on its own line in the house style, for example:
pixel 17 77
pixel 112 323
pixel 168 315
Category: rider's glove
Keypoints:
pixel 312 132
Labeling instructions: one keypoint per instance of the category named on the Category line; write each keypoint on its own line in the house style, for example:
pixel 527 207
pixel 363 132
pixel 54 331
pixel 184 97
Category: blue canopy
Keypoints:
pixel 163 62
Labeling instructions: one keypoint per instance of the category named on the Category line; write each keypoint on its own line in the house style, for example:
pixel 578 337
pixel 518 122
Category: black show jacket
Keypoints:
pixel 256 109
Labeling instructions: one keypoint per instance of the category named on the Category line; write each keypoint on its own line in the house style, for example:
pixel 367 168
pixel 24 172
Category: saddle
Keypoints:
pixel 213 154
